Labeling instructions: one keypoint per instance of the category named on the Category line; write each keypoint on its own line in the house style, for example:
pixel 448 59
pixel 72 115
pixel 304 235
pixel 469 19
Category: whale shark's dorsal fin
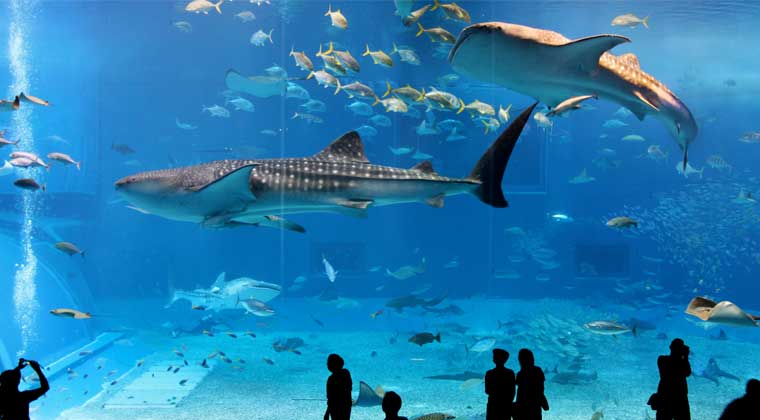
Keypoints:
pixel 425 167
pixel 585 52
pixel 630 59
pixel 347 147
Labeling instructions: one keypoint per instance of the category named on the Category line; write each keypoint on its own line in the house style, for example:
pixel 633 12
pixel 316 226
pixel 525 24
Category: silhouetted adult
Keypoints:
pixel 746 407
pixel 14 404
pixel 530 388
pixel 672 400
pixel 500 388
pixel 391 406
pixel 338 390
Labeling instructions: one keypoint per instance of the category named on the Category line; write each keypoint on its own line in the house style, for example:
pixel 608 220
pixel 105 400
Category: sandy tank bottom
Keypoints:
pixel 293 386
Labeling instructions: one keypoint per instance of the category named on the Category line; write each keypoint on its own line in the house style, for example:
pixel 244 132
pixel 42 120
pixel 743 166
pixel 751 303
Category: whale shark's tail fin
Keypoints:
pixel 490 168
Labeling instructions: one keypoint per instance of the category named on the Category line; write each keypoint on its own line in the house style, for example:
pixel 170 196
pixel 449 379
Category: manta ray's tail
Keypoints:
pixel 490 168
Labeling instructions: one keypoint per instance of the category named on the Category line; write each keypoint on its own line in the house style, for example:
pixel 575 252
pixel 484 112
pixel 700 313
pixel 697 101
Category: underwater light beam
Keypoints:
pixel 25 288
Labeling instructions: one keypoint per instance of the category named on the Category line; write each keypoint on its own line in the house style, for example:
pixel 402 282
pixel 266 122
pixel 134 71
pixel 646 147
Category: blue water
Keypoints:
pixel 122 73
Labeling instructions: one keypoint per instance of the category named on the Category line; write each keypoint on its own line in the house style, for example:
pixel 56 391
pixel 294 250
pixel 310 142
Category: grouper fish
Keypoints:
pixel 551 68
pixel 230 193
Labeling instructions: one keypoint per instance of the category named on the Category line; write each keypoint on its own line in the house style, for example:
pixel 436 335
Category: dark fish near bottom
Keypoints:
pixel 467 375
pixel 28 184
pixel 424 338
pixel 435 416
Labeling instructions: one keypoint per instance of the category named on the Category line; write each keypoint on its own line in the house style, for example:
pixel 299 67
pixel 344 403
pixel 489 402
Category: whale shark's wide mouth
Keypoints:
pixel 466 33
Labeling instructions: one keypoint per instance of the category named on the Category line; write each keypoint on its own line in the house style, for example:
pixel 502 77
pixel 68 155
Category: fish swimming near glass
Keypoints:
pixel 551 68
pixel 230 193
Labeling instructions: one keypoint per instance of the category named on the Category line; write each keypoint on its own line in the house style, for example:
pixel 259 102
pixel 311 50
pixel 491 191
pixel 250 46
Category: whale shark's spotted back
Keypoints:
pixel 325 175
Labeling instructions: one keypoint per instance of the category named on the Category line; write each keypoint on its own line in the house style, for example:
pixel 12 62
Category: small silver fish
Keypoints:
pixel 65 159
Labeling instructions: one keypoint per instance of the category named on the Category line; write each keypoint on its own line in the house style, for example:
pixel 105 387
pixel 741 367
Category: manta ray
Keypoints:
pixel 724 312
pixel 713 372
pixel 551 68
pixel 369 397
pixel 340 178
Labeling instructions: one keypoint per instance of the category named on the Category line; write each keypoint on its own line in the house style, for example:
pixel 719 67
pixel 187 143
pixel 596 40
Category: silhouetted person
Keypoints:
pixel 338 390
pixel 500 388
pixel 391 406
pixel 530 388
pixel 746 407
pixel 672 392
pixel 14 404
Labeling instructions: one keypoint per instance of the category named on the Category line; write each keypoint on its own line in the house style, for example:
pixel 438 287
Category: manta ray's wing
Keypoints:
pixel 728 313
pixel 700 307
pixel 368 397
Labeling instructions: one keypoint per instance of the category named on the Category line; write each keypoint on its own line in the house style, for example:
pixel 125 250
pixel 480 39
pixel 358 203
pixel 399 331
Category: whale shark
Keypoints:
pixel 340 178
pixel 552 68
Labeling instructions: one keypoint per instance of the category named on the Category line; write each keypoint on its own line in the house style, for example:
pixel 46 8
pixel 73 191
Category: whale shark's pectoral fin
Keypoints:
pixel 355 207
pixel 639 111
pixel 435 201
pixel 584 53
pixel 230 181
pixel 225 196
pixel 356 203
pixel 280 223
pixel 645 101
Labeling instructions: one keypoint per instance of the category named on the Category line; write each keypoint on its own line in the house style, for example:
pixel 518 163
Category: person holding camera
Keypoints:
pixel 14 404
pixel 671 400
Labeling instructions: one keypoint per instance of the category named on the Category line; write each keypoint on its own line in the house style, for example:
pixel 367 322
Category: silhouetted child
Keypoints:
pixel 14 404
pixel 338 390
pixel 746 407
pixel 671 400
pixel 530 388
pixel 391 406
pixel 500 388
